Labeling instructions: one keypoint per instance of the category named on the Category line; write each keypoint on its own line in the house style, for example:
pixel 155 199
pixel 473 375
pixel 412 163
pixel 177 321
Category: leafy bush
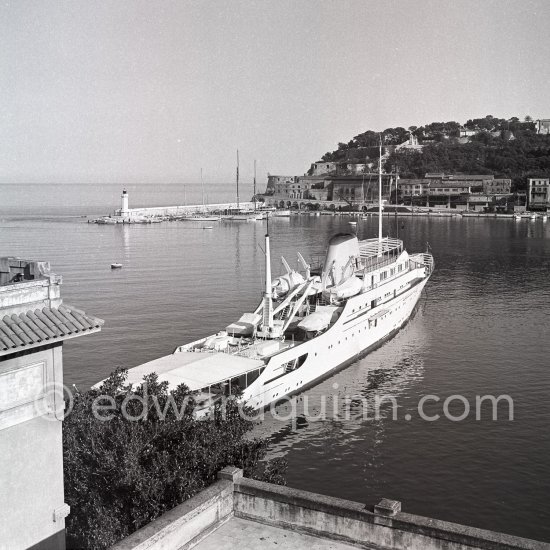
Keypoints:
pixel 120 474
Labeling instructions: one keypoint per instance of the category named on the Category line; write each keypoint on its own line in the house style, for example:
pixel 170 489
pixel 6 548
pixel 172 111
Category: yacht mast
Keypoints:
pixel 267 321
pixel 254 185
pixel 202 190
pixel 380 200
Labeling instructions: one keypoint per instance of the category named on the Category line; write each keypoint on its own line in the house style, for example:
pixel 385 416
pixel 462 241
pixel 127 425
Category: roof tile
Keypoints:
pixel 24 330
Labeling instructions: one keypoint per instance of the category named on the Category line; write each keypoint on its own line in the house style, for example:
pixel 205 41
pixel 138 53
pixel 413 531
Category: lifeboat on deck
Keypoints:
pixel 350 287
pixel 285 283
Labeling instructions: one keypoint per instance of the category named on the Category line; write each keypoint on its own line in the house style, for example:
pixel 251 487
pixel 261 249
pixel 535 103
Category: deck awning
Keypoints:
pixel 194 369
pixel 43 326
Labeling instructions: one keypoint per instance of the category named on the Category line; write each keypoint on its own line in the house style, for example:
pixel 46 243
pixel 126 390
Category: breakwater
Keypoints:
pixel 182 210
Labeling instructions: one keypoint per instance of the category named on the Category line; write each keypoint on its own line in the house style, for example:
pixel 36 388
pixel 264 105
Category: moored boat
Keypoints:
pixel 281 214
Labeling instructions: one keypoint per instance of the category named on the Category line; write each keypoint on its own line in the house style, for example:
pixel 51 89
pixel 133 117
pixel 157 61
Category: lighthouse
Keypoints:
pixel 124 203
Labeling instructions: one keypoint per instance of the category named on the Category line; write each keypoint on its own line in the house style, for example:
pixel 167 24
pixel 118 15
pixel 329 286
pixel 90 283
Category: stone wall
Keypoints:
pixel 382 526
pixel 187 524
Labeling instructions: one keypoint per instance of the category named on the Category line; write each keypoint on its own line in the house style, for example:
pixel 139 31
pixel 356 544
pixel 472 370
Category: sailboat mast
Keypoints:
pixel 202 190
pixel 254 185
pixel 380 200
pixel 238 180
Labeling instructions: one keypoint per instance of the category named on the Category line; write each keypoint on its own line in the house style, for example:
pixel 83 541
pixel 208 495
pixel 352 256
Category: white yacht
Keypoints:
pixel 281 213
pixel 308 324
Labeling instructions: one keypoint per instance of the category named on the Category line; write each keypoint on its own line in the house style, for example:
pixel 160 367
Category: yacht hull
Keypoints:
pixel 340 346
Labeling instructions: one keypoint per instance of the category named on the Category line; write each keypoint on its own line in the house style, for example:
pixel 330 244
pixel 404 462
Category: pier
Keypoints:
pixel 180 210
pixel 150 214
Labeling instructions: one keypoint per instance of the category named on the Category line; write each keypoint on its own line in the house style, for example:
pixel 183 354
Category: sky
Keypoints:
pixel 134 91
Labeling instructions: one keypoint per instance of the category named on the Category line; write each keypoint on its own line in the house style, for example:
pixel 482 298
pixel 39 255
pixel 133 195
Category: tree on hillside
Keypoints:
pixel 508 148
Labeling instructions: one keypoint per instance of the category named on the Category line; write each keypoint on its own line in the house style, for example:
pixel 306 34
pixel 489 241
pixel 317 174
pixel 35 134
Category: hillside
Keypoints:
pixel 505 148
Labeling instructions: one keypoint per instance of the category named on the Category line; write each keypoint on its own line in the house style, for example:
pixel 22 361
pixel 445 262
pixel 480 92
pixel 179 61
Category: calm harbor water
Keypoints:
pixel 481 328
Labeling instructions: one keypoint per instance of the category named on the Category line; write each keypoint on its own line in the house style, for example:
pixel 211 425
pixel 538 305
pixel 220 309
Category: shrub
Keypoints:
pixel 120 474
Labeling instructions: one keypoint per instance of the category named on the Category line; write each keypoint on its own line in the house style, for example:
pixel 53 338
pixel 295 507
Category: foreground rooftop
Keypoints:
pixel 32 313
pixel 242 514
pixel 244 534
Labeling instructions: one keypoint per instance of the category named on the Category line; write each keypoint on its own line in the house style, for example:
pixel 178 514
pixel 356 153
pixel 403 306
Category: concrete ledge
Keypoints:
pixel 463 535
pixel 305 499
pixel 384 526
pixel 381 527
pixel 186 524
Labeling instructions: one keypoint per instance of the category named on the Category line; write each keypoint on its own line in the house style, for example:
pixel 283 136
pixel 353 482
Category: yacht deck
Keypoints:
pixel 197 370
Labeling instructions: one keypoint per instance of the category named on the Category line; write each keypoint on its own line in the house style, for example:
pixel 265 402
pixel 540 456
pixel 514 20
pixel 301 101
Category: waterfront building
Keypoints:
pixel 497 186
pixel 434 190
pixel 279 185
pixel 316 187
pixel 470 191
pixel 359 188
pixel 538 194
pixel 413 187
pixel 543 126
pixel 34 323
pixel 444 188
pixel 345 188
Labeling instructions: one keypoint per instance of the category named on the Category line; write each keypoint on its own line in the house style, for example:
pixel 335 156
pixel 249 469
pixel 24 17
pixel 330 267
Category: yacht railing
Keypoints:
pixel 373 263
pixel 374 247
pixel 425 260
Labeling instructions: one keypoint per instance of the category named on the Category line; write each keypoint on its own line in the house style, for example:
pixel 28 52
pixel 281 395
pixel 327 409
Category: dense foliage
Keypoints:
pixel 505 148
pixel 120 474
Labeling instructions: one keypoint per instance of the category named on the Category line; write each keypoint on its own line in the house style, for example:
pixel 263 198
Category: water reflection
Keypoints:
pixel 344 408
